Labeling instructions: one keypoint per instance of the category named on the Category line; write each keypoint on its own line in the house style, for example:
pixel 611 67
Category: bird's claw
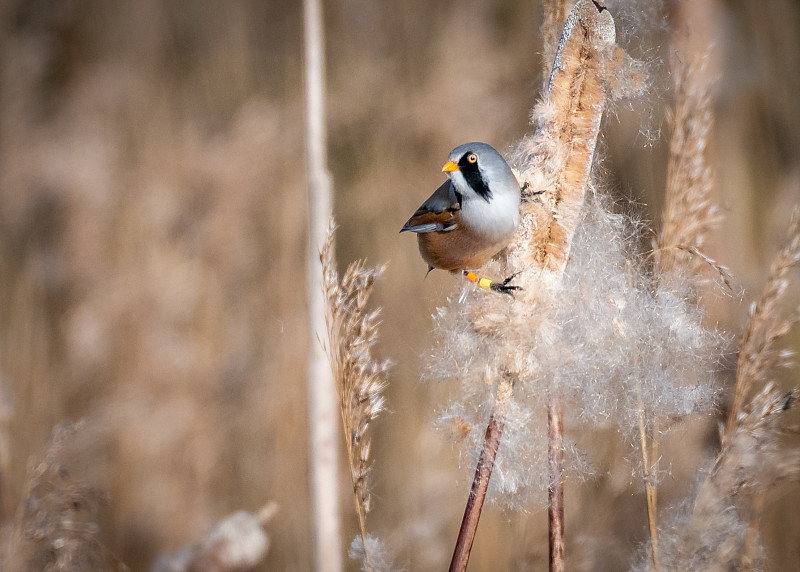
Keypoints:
pixel 504 286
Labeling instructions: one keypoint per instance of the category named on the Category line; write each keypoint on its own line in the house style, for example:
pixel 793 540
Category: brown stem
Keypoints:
pixel 555 492
pixel 649 453
pixel 472 513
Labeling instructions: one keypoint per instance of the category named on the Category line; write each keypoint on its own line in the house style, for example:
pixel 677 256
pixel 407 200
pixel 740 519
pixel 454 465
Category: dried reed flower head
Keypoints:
pixel 689 214
pixel 55 527
pixel 359 379
pixel 718 530
pixel 758 355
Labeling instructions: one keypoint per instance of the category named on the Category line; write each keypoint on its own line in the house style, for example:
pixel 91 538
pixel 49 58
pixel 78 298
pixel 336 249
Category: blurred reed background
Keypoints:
pixel 152 240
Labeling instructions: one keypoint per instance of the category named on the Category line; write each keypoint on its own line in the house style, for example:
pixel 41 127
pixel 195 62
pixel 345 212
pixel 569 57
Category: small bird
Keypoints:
pixel 471 217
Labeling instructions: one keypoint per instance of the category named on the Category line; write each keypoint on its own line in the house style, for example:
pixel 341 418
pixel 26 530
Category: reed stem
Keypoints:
pixel 480 482
pixel 555 492
pixel 477 494
pixel 649 452
pixel 323 446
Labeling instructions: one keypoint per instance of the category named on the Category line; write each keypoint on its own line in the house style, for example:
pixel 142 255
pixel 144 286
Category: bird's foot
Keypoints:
pixel 504 286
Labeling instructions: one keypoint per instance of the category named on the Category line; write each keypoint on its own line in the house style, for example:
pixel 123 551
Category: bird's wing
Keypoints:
pixel 438 213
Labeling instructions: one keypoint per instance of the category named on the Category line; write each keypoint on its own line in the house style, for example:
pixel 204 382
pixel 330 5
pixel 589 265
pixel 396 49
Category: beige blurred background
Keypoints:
pixel 153 215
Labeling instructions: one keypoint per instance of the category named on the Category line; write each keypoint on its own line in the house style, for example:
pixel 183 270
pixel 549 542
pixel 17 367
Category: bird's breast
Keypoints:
pixel 460 249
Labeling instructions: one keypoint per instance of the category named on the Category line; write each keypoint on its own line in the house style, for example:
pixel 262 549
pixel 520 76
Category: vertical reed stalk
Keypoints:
pixel 483 472
pixel 555 492
pixel 649 449
pixel 752 536
pixel 649 453
pixel 321 393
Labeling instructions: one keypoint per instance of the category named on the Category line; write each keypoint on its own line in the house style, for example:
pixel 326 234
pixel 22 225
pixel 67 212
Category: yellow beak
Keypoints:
pixel 449 167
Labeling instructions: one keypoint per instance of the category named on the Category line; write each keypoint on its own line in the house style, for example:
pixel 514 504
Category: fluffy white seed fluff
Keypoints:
pixel 606 338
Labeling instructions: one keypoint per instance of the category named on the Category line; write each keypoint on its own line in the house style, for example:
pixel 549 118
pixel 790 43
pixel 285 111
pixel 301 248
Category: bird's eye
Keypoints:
pixel 472 158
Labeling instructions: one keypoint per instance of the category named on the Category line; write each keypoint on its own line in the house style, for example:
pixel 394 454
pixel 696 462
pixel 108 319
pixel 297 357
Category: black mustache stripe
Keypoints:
pixel 474 177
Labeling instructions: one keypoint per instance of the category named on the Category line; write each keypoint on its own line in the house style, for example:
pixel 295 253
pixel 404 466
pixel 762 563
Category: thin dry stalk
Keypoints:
pixel 359 379
pixel 555 492
pixel 321 394
pixel 649 450
pixel 483 472
pixel 758 355
pixel 752 539
pixel 649 447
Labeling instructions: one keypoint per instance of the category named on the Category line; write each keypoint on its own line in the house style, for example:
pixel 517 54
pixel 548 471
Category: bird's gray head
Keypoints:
pixel 477 170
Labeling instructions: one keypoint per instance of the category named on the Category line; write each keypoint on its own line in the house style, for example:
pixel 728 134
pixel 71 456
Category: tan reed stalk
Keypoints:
pixel 565 144
pixel 649 446
pixel 555 492
pixel 554 167
pixel 477 494
pixel 359 379
pixel 321 394
pixel 752 545
pixel 649 450
pixel 689 214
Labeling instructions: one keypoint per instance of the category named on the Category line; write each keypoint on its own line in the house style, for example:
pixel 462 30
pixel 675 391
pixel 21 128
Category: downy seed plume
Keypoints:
pixel 608 338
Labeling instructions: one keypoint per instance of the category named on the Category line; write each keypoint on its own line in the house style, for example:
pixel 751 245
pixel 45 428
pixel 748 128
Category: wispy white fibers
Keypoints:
pixel 607 339
pixel 628 341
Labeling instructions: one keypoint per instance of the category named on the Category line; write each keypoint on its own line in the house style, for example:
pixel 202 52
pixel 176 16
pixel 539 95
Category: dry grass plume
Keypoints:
pixel 55 527
pixel 359 378
pixel 689 212
pixel 758 354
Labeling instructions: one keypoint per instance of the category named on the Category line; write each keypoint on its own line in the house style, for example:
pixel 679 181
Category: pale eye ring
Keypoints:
pixel 472 158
